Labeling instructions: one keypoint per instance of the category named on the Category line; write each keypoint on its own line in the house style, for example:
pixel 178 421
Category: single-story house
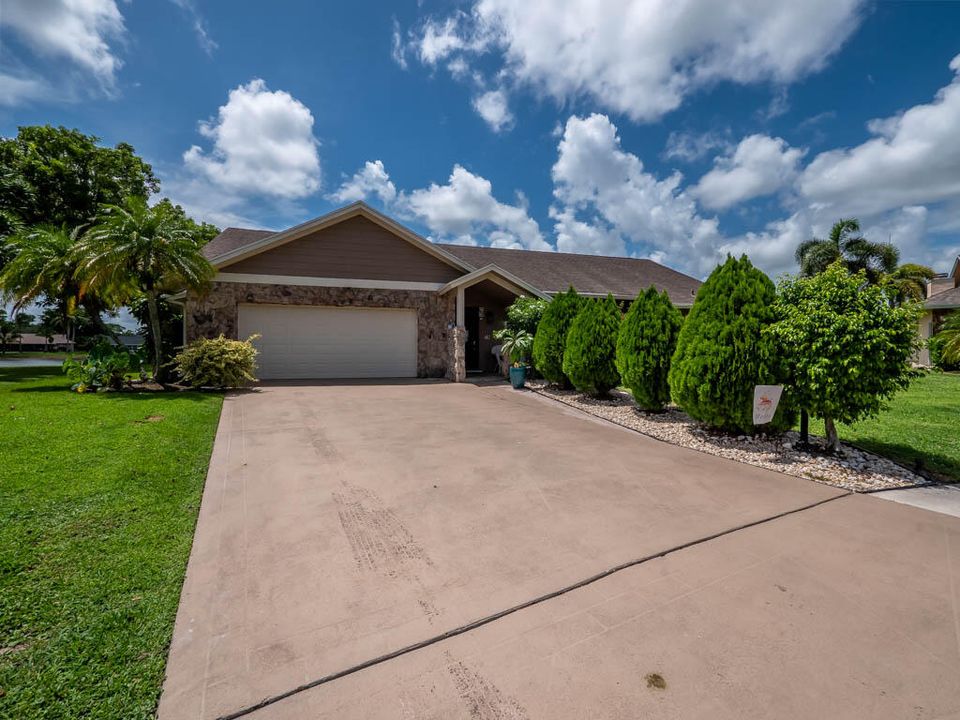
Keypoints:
pixel 32 341
pixel 943 297
pixel 355 294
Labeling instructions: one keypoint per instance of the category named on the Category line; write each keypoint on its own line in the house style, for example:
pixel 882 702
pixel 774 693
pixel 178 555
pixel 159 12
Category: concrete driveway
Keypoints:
pixel 343 522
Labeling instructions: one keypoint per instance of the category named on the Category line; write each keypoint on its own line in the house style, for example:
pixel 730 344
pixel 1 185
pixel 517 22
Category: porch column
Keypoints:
pixel 458 341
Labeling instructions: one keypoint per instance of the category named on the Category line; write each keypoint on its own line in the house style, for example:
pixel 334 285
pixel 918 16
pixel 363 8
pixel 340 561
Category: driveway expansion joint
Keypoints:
pixel 475 624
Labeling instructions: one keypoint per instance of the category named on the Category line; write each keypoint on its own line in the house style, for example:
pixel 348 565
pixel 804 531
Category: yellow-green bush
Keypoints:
pixel 217 363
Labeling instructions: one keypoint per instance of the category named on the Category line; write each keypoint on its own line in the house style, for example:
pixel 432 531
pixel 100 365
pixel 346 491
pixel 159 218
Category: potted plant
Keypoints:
pixel 516 344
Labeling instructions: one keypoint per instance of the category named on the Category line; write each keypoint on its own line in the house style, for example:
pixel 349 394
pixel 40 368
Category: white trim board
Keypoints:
pixel 497 275
pixel 309 281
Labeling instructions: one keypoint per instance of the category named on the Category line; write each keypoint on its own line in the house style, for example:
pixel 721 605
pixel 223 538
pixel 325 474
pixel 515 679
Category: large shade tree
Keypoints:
pixel 136 250
pixel 57 176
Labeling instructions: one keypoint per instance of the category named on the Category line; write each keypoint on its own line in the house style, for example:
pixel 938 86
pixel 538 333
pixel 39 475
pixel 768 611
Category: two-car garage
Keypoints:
pixel 309 341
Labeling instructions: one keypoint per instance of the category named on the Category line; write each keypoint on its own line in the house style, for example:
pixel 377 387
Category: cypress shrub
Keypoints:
pixel 722 351
pixel 645 345
pixel 590 359
pixel 550 340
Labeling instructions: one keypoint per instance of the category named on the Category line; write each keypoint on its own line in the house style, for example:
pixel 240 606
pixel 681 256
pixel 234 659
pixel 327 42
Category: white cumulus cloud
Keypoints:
pixel 913 159
pixel 760 165
pixel 370 180
pixel 465 206
pixel 601 185
pixel 263 144
pixel 492 107
pixel 463 210
pixel 642 57
pixel 84 32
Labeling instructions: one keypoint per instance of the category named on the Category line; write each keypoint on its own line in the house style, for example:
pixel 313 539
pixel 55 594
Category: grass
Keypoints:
pixel 38 354
pixel 98 500
pixel 923 423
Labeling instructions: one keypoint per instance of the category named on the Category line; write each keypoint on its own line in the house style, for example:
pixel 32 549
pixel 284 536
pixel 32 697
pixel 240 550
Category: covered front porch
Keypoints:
pixel 483 297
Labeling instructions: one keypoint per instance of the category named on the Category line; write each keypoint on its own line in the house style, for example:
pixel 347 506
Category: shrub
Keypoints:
pixel 945 344
pixel 525 313
pixel 217 363
pixel 722 352
pixel 106 366
pixel 550 340
pixel 845 346
pixel 645 345
pixel 515 345
pixel 590 356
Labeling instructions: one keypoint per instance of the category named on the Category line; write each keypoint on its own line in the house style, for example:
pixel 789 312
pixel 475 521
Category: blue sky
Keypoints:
pixel 674 130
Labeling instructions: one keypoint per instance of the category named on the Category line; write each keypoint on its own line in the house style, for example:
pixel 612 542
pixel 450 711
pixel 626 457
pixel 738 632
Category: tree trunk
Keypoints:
pixel 833 439
pixel 155 332
pixel 101 326
pixel 804 429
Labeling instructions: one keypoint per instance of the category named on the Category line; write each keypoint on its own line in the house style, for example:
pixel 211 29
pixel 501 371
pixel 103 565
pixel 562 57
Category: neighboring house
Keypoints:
pixel 32 341
pixel 943 297
pixel 132 341
pixel 354 294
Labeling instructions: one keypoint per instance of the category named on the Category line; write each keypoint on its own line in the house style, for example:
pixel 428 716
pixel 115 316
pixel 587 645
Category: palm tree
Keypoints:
pixel 949 338
pixel 909 281
pixel 44 268
pixel 137 250
pixel 845 243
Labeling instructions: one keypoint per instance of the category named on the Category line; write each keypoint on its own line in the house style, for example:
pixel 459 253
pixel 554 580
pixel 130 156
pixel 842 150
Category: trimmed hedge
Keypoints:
pixel 590 356
pixel 550 340
pixel 645 346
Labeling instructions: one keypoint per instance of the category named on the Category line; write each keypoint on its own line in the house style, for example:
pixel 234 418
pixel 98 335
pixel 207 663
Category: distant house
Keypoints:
pixel 131 341
pixel 943 297
pixel 32 341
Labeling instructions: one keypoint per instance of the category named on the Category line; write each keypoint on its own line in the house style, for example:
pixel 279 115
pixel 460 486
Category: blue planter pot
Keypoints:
pixel 518 376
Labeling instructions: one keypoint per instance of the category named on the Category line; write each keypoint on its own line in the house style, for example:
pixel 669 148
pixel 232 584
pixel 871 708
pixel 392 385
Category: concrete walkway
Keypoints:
pixel 939 498
pixel 341 522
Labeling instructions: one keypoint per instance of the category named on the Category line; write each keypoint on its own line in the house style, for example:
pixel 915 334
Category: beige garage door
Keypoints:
pixel 330 342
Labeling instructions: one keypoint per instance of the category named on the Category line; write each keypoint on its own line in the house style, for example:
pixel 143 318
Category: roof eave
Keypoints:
pixel 483 273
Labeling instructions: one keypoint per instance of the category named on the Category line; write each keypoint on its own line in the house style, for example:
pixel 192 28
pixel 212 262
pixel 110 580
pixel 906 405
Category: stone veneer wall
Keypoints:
pixel 216 313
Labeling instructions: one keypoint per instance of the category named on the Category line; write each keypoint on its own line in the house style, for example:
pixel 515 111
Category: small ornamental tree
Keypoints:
pixel 525 313
pixel 590 359
pixel 722 352
pixel 647 339
pixel 550 340
pixel 844 345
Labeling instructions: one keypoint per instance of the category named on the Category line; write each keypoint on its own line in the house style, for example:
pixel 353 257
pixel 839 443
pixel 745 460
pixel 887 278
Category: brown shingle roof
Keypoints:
pixel 594 274
pixel 943 300
pixel 231 239
pixel 548 271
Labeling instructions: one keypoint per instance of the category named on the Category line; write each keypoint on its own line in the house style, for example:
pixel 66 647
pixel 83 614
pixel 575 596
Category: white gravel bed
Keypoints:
pixel 854 469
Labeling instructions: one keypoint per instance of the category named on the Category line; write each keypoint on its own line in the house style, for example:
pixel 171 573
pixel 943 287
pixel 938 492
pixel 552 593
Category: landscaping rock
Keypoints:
pixel 853 469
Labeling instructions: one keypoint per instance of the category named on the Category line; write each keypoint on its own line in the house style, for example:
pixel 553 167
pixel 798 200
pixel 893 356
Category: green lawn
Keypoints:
pixel 922 423
pixel 98 501
pixel 42 354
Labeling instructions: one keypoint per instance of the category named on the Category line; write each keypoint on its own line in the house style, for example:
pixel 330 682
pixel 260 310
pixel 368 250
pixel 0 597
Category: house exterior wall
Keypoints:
pixel 216 313
pixel 355 248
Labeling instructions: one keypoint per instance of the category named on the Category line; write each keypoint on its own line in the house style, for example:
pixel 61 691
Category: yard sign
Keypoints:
pixel 765 401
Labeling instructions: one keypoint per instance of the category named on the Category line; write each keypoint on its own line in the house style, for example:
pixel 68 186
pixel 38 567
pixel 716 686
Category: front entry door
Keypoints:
pixel 471 320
